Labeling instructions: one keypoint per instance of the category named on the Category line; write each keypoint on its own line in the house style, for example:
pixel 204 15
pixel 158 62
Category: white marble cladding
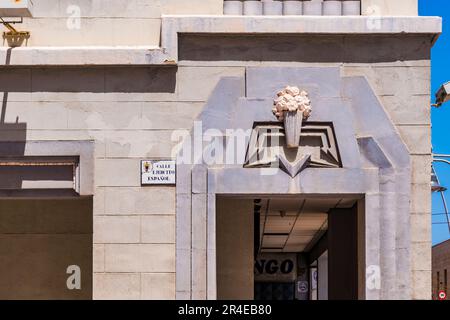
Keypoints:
pixel 293 7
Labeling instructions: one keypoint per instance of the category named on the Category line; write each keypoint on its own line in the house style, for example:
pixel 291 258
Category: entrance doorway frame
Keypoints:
pixel 209 183
pixel 376 164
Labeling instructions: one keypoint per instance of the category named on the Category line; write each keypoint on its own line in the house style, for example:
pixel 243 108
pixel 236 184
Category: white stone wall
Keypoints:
pixel 106 22
pixel 404 90
pixel 134 227
pixel 138 22
pixel 390 8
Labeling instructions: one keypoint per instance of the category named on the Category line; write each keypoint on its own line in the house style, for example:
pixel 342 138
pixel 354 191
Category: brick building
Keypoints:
pixel 441 267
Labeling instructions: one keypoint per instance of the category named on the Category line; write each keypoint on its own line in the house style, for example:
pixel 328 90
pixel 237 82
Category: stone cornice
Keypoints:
pixel 172 25
pixel 83 56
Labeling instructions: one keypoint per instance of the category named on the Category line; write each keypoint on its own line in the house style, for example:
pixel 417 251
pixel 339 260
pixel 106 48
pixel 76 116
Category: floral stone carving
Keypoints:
pixel 292 106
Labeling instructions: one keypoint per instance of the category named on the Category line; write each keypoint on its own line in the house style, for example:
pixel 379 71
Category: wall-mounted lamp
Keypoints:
pixel 442 95
pixel 17 9
pixel 435 185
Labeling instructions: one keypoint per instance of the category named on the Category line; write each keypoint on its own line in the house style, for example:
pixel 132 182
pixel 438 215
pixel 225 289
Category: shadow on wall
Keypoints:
pixel 301 48
pixel 13 177
pixel 103 79
pixel 89 79
pixel 15 132
pixel 74 79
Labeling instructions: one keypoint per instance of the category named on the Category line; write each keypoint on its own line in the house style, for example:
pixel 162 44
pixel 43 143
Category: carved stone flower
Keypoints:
pixel 291 99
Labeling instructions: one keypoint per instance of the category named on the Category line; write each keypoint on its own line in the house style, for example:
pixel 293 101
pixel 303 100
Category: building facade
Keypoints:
pixel 441 265
pixel 104 103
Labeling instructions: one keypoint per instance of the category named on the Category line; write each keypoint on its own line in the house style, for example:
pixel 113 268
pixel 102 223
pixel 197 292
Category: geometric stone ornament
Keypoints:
pixel 318 148
pixel 293 169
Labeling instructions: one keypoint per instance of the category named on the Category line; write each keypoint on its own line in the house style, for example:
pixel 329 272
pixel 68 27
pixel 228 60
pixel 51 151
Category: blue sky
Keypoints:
pixel 440 73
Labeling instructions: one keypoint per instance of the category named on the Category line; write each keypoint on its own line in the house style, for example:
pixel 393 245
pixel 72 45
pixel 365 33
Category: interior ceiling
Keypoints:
pixel 293 225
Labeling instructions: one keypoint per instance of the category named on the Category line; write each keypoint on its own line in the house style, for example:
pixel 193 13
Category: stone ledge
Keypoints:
pixel 172 25
pixel 83 56
pixel 303 24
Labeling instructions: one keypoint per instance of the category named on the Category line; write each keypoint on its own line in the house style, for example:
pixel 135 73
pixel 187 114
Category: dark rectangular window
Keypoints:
pixel 438 281
pixel 445 280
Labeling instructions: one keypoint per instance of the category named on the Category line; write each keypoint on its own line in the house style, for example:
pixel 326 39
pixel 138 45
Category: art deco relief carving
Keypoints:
pixel 294 144
pixel 292 106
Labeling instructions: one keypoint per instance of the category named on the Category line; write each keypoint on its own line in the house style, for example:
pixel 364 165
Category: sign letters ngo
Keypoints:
pixel 158 172
pixel 275 267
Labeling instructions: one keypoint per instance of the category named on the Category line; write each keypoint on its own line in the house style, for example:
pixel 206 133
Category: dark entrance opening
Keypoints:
pixel 45 246
pixel 300 248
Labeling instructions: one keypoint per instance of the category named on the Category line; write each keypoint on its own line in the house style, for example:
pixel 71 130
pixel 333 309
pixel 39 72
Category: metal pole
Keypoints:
pixel 442 193
pixel 441 160
pixel 446 210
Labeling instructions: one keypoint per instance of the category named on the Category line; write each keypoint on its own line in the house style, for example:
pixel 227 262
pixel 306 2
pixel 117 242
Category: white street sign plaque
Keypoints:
pixel 155 172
